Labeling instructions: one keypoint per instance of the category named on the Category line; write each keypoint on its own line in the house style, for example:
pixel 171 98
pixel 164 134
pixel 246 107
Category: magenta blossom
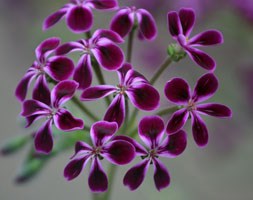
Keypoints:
pixel 151 132
pixel 57 67
pixel 180 26
pixel 78 14
pixel 178 91
pixel 54 114
pixel 132 85
pixel 102 46
pixel 118 152
pixel 124 21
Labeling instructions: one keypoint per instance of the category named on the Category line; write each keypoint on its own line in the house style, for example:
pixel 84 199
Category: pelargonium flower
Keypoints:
pixel 102 46
pixel 132 85
pixel 180 26
pixel 57 67
pixel 151 131
pixel 53 112
pixel 118 152
pixel 125 20
pixel 78 14
pixel 178 91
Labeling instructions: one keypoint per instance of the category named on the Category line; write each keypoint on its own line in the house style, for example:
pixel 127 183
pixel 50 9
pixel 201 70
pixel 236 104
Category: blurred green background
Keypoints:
pixel 222 171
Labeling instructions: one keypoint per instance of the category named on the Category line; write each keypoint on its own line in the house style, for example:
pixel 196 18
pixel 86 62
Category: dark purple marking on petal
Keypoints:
pixel 52 19
pixel 34 107
pixel 97 92
pixel 147 25
pixel 187 18
pixel 31 119
pixel 177 121
pixel 103 4
pixel 210 37
pixel 69 47
pixel 174 24
pixel 123 71
pixel 82 146
pixel 205 88
pixel 161 175
pixel 134 78
pixel 41 91
pixel 214 109
pixel 108 34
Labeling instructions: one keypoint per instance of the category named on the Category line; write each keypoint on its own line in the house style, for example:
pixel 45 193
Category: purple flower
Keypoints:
pixel 245 8
pixel 102 47
pixel 78 14
pixel 57 67
pixel 180 26
pixel 54 114
pixel 124 21
pixel 178 91
pixel 118 152
pixel 151 131
pixel 132 85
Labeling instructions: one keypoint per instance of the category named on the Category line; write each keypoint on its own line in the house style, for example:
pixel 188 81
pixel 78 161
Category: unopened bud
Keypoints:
pixel 175 52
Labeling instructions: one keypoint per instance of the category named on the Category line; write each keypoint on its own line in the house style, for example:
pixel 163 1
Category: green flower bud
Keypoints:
pixel 175 52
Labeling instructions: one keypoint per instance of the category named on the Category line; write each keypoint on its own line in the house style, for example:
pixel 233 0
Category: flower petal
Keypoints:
pixel 187 18
pixel 161 175
pixel 97 92
pixel 103 4
pixel 60 68
pixel 151 130
pixel 53 19
pixel 108 34
pixel 69 47
pixel 205 88
pixel 65 121
pixel 63 92
pixel 31 119
pixel 135 176
pixel 174 24
pixel 43 139
pixel 147 25
pixel 98 181
pixel 177 121
pixel 144 97
pixel 79 19
pixel 102 131
pixel 41 91
pixel 123 71
pixel 116 110
pixel 34 107
pixel 214 109
pixel 210 37
pixel 82 146
pixel 178 91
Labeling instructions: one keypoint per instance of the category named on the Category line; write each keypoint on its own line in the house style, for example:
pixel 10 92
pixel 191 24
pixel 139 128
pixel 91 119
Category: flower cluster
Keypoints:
pixel 57 81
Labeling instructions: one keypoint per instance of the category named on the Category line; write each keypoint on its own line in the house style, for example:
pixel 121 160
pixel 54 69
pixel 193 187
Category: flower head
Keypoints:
pixel 117 152
pixel 178 91
pixel 180 27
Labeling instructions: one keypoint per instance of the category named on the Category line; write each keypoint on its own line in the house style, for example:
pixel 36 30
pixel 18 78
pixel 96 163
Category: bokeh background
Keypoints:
pixel 222 171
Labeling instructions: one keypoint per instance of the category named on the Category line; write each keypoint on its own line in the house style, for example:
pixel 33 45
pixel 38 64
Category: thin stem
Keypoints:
pixel 168 110
pixel 111 175
pixel 130 45
pixel 132 118
pixel 126 116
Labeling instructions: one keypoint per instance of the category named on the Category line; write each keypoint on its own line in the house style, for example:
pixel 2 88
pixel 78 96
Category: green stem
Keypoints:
pixel 88 35
pixel 111 173
pixel 130 45
pixel 168 110
pixel 126 116
pixel 132 118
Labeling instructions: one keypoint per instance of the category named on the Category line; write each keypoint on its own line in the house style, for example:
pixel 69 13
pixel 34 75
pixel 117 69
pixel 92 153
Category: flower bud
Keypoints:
pixel 175 52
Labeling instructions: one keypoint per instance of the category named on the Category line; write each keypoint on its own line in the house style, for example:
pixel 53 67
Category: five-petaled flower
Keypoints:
pixel 102 46
pixel 180 26
pixel 178 91
pixel 132 85
pixel 117 152
pixel 78 14
pixel 57 67
pixel 54 114
pixel 126 19
pixel 151 132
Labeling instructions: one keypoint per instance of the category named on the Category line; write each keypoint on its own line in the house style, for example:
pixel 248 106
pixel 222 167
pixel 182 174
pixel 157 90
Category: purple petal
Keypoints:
pixel 98 181
pixel 116 110
pixel 102 4
pixel 187 18
pixel 43 139
pixel 102 131
pixel 178 91
pixel 41 91
pixel 79 19
pixel 32 118
pixel 147 25
pixel 151 130
pixel 173 145
pixel 135 176
pixel 199 130
pixel 97 92
pixel 53 18
pixel 144 97
pixel 109 56
pixel 210 37
pixel 174 24
pixel 177 121
pixel 119 152
pixel 123 71
pixel 34 107
pixel 122 23
pixel 161 175
pixel 60 68
pixel 134 78
pixel 205 87
pixel 63 92
pixel 65 121
pixel 108 34
pixel 82 146
pixel 216 110
pixel 69 47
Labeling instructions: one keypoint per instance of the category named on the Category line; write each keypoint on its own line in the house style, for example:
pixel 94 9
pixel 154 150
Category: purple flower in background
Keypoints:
pixel 151 131
pixel 178 91
pixel 124 21
pixel 132 85
pixel 102 46
pixel 53 112
pixel 78 14
pixel 180 26
pixel 57 67
pixel 245 7
pixel 118 152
